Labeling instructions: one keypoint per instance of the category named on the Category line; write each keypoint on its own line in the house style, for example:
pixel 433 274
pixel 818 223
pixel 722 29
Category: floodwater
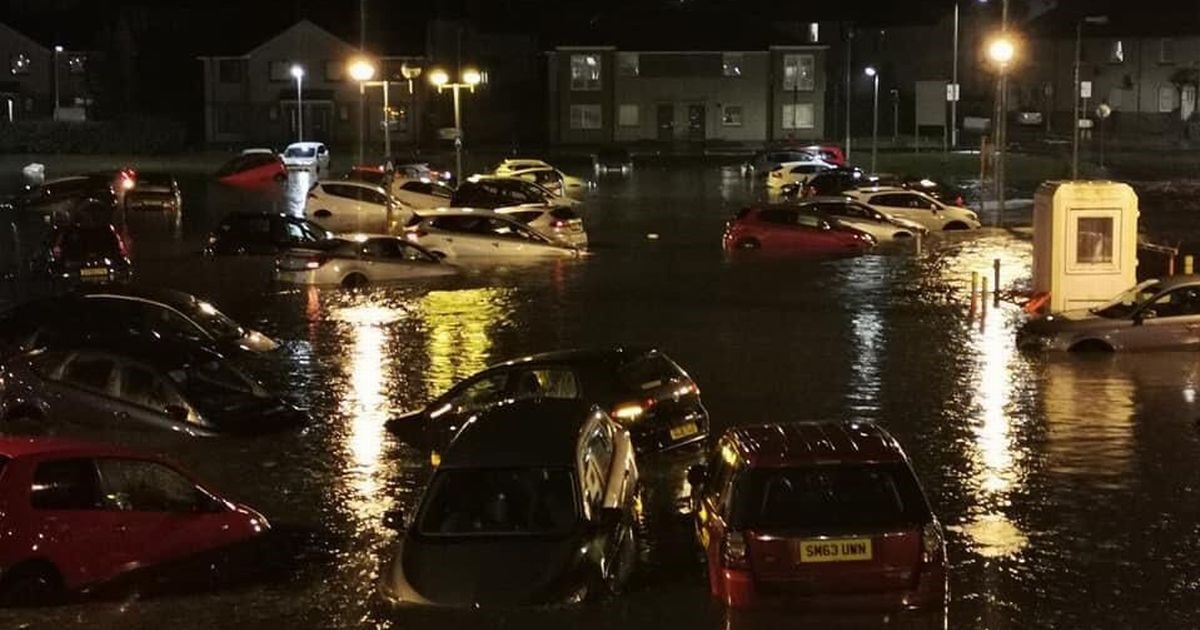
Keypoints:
pixel 1068 486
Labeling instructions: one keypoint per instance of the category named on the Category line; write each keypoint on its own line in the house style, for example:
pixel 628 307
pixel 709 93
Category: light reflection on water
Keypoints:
pixel 459 327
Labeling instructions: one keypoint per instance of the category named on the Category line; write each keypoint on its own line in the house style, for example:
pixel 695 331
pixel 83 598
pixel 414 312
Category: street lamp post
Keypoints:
pixel 361 70
pixel 57 51
pixel 874 74
pixel 441 80
pixel 1001 51
pixel 298 74
pixel 1091 19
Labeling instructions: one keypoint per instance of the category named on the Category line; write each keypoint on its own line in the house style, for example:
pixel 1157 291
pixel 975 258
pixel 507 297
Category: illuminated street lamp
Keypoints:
pixel 870 71
pixel 57 51
pixel 362 71
pixel 298 74
pixel 470 78
pixel 1001 50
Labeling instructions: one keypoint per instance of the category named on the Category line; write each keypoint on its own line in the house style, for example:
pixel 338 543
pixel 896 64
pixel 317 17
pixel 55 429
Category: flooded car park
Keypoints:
pixel 1048 472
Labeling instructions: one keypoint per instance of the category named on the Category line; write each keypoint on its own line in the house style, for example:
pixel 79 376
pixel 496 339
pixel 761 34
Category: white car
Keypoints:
pixel 459 233
pixel 510 166
pixel 306 156
pixel 558 222
pixel 553 180
pixel 258 151
pixel 420 194
pixel 798 172
pixel 864 218
pixel 358 261
pixel 349 206
pixel 916 206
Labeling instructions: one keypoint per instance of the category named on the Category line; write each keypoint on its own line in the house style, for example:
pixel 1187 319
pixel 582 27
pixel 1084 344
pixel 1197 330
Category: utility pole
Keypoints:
pixel 954 83
pixel 849 55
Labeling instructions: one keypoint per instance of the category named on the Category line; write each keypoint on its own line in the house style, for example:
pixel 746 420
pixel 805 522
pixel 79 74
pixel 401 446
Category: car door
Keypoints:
pixel 144 398
pixel 464 235
pixel 82 390
pixel 1171 320
pixel 87 542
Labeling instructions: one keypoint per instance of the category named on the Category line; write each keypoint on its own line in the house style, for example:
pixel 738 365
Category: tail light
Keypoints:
pixel 559 223
pixel 734 553
pixel 931 543
pixel 121 247
pixel 633 410
pixel 315 262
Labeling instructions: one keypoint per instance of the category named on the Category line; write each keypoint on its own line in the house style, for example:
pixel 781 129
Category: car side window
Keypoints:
pixel 143 486
pixel 1182 302
pixel 544 383
pixel 66 484
pixel 142 387
pixel 374 196
pixel 168 321
pixel 481 393
pixel 413 254
pixel 810 221
pixel 89 372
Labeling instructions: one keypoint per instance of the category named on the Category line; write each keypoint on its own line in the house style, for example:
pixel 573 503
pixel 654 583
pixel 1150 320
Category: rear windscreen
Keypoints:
pixel 88 243
pixel 564 214
pixel 647 373
pixel 829 496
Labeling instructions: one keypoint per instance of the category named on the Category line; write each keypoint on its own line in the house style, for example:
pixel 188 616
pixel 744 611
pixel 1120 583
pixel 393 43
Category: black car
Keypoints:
pixel 942 191
pixel 829 183
pixel 118 312
pixel 642 388
pixel 534 503
pixel 81 252
pixel 261 233
pixel 132 385
pixel 154 191
pixel 612 160
pixel 65 198
pixel 499 192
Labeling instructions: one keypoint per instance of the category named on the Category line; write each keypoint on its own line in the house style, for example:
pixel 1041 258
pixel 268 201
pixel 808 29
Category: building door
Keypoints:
pixel 696 124
pixel 666 122
pixel 316 126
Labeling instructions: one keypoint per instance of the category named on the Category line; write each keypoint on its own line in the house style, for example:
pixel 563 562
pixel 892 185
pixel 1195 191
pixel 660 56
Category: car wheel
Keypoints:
pixel 749 243
pixel 354 281
pixel 33 584
pixel 1091 345
pixel 955 225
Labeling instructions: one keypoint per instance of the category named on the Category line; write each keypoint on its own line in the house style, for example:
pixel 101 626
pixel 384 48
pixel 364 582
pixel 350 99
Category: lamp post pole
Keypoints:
pixel 458 136
pixel 470 78
pixel 1075 104
pixel 954 83
pixel 387 124
pixel 874 74
pixel 57 51
pixel 298 74
pixel 362 121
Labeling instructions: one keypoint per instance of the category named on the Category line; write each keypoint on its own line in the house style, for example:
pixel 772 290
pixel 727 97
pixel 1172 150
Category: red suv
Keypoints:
pixel 792 229
pixel 78 516
pixel 817 516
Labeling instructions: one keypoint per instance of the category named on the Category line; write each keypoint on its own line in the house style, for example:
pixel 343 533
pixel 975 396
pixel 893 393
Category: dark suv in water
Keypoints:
pixel 642 388
pixel 534 503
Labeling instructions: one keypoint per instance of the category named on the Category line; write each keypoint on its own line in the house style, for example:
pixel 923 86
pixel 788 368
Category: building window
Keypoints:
pixel 1166 98
pixel 1094 240
pixel 798 72
pixel 627 64
pixel 731 64
pixel 231 70
pixel 585 72
pixel 814 32
pixel 77 64
pixel 1116 53
pixel 799 116
pixel 279 71
pixel 335 71
pixel 20 63
pixel 628 116
pixel 585 117
pixel 731 115
pixel 1166 50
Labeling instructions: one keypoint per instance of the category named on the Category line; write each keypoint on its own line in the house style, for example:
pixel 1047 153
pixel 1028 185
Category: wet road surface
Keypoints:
pixel 1068 486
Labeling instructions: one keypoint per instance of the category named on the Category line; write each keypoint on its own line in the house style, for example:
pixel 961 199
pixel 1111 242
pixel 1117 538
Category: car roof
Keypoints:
pixel 170 297
pixel 306 145
pixel 1174 282
pixel 525 433
pixel 581 356
pixel 16 447
pixel 815 442
pixel 874 190
pixel 455 211
pixel 162 354
pixel 808 443
pixel 350 182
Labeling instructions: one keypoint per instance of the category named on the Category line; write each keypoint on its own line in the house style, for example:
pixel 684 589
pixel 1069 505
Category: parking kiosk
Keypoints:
pixel 1084 242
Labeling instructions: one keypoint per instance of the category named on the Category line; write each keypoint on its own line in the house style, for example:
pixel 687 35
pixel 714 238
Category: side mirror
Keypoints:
pixel 394 519
pixel 697 475
pixel 178 413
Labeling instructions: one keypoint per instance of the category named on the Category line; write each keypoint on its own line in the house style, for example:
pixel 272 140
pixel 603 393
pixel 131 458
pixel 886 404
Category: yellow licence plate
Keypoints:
pixel 833 550
pixel 684 430
pixel 93 272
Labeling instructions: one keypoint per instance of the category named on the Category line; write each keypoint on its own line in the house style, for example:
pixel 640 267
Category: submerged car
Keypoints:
pixel 862 217
pixel 817 515
pixel 472 233
pixel 642 388
pixel 79 517
pixel 534 503
pixel 917 206
pixel 357 262
pixel 155 191
pixel 307 156
pixel 786 228
pixel 561 223
pixel 82 252
pixel 252 170
pixel 118 312
pixel 132 386
pixel 1153 315
pixel 259 233
pixel 351 206
pixel 612 159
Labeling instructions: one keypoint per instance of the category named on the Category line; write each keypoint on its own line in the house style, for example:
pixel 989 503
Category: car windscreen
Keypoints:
pixel 829 496
pixel 300 152
pixel 500 502
pixel 84 243
pixel 213 383
pixel 214 322
pixel 647 373
pixel 155 180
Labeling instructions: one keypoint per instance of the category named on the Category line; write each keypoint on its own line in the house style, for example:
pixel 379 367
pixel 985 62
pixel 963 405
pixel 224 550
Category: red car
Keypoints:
pixel 817 516
pixel 78 517
pixel 252 170
pixel 792 229
pixel 831 153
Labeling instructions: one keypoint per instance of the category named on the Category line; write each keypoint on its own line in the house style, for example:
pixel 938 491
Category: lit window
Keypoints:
pixel 1116 54
pixel 731 64
pixel 20 63
pixel 628 116
pixel 1166 50
pixel 799 116
pixel 585 72
pixel 627 64
pixel 585 117
pixel 731 115
pixel 814 32
pixel 798 72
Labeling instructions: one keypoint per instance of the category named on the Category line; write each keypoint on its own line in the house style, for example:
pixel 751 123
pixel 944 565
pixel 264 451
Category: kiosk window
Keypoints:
pixel 1094 240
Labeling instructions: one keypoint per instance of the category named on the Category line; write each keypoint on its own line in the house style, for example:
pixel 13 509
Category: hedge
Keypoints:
pixel 133 135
